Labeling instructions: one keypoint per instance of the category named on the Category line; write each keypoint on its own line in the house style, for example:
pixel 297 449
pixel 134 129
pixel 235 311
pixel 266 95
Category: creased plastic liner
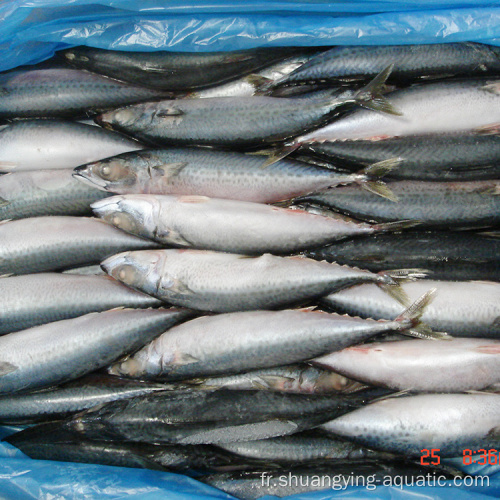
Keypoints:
pixel 32 30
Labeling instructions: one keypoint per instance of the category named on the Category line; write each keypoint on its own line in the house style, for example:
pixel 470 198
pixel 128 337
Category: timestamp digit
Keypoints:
pixel 425 454
pixel 493 457
pixel 484 456
pixel 467 457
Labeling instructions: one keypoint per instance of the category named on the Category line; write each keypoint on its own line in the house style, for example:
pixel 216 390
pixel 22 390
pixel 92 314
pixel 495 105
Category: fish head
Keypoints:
pixel 122 118
pixel 137 269
pixel 109 174
pixel 134 214
pixel 74 57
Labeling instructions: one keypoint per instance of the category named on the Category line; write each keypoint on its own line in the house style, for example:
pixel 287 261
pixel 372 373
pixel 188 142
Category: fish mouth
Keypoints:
pixel 114 261
pixel 82 173
pixel 106 205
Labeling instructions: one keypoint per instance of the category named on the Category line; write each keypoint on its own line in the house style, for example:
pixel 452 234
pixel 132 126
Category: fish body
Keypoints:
pixel 54 242
pixel 224 282
pixel 226 121
pixel 65 350
pixel 63 92
pixel 299 379
pixel 179 71
pixel 202 171
pixel 432 108
pixel 205 417
pixel 433 204
pixel 34 299
pixel 241 341
pixel 60 402
pixel 308 446
pixel 224 225
pixel 450 423
pixel 455 365
pixel 335 476
pixel 460 308
pixel 438 157
pixel 411 62
pixel 45 192
pixel 445 255
pixel 57 144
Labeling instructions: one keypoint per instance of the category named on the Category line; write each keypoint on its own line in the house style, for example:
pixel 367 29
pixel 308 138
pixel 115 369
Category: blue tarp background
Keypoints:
pixel 32 30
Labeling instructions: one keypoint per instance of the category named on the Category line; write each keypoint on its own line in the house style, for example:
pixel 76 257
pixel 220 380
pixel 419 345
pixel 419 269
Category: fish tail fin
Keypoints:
pixel 370 96
pixel 390 282
pixel 280 153
pixel 396 226
pixel 369 178
pixel 409 319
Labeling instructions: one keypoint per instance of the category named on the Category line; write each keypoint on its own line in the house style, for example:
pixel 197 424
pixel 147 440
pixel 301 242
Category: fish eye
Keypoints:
pixel 123 221
pixel 113 171
pixel 126 274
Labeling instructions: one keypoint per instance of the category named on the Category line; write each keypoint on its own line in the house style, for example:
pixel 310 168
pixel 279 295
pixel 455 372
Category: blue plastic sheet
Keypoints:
pixel 32 30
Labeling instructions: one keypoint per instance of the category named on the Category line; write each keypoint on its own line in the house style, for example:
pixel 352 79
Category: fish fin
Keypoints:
pixel 370 96
pixel 392 395
pixel 6 368
pixel 261 152
pixel 7 275
pixel 475 391
pixel 169 170
pixel 490 234
pixel 280 153
pixel 185 359
pixel 260 83
pixel 306 309
pixel 172 236
pixel 169 112
pixel 397 293
pixel 194 199
pixel 271 380
pixel 396 226
pixel 393 279
pixel 234 58
pixel 7 166
pixel 179 287
pixel 494 432
pixel 488 349
pixel 492 88
pixel 493 129
pixel 3 202
pixel 5 221
pixel 382 168
pixel 380 189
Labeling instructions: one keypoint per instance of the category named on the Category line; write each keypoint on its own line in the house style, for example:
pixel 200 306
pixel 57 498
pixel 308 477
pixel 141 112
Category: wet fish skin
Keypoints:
pixel 457 365
pixel 445 157
pixel 307 446
pixel 204 417
pixel 434 204
pixel 50 442
pixel 222 282
pixel 201 171
pixel 34 299
pixel 445 255
pixel 224 225
pixel 253 484
pixel 49 243
pixel 407 425
pixel 94 270
pixel 179 71
pixel 298 379
pixel 65 350
pixel 63 92
pixel 462 309
pixel 237 342
pixel 45 192
pixel 227 121
pixel 255 83
pixel 60 402
pixel 444 107
pixel 411 62
pixel 57 144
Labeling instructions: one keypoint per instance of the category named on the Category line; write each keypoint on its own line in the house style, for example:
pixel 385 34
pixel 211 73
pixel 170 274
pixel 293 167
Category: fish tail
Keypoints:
pixel 280 153
pixel 410 319
pixel 390 282
pixel 370 96
pixel 370 178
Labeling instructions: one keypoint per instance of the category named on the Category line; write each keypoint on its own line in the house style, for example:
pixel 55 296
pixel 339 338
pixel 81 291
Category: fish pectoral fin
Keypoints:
pixel 177 286
pixel 168 112
pixel 7 166
pixel 6 368
pixel 172 236
pixel 493 88
pixel 185 358
pixel 494 433
pixel 169 170
pixel 492 129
